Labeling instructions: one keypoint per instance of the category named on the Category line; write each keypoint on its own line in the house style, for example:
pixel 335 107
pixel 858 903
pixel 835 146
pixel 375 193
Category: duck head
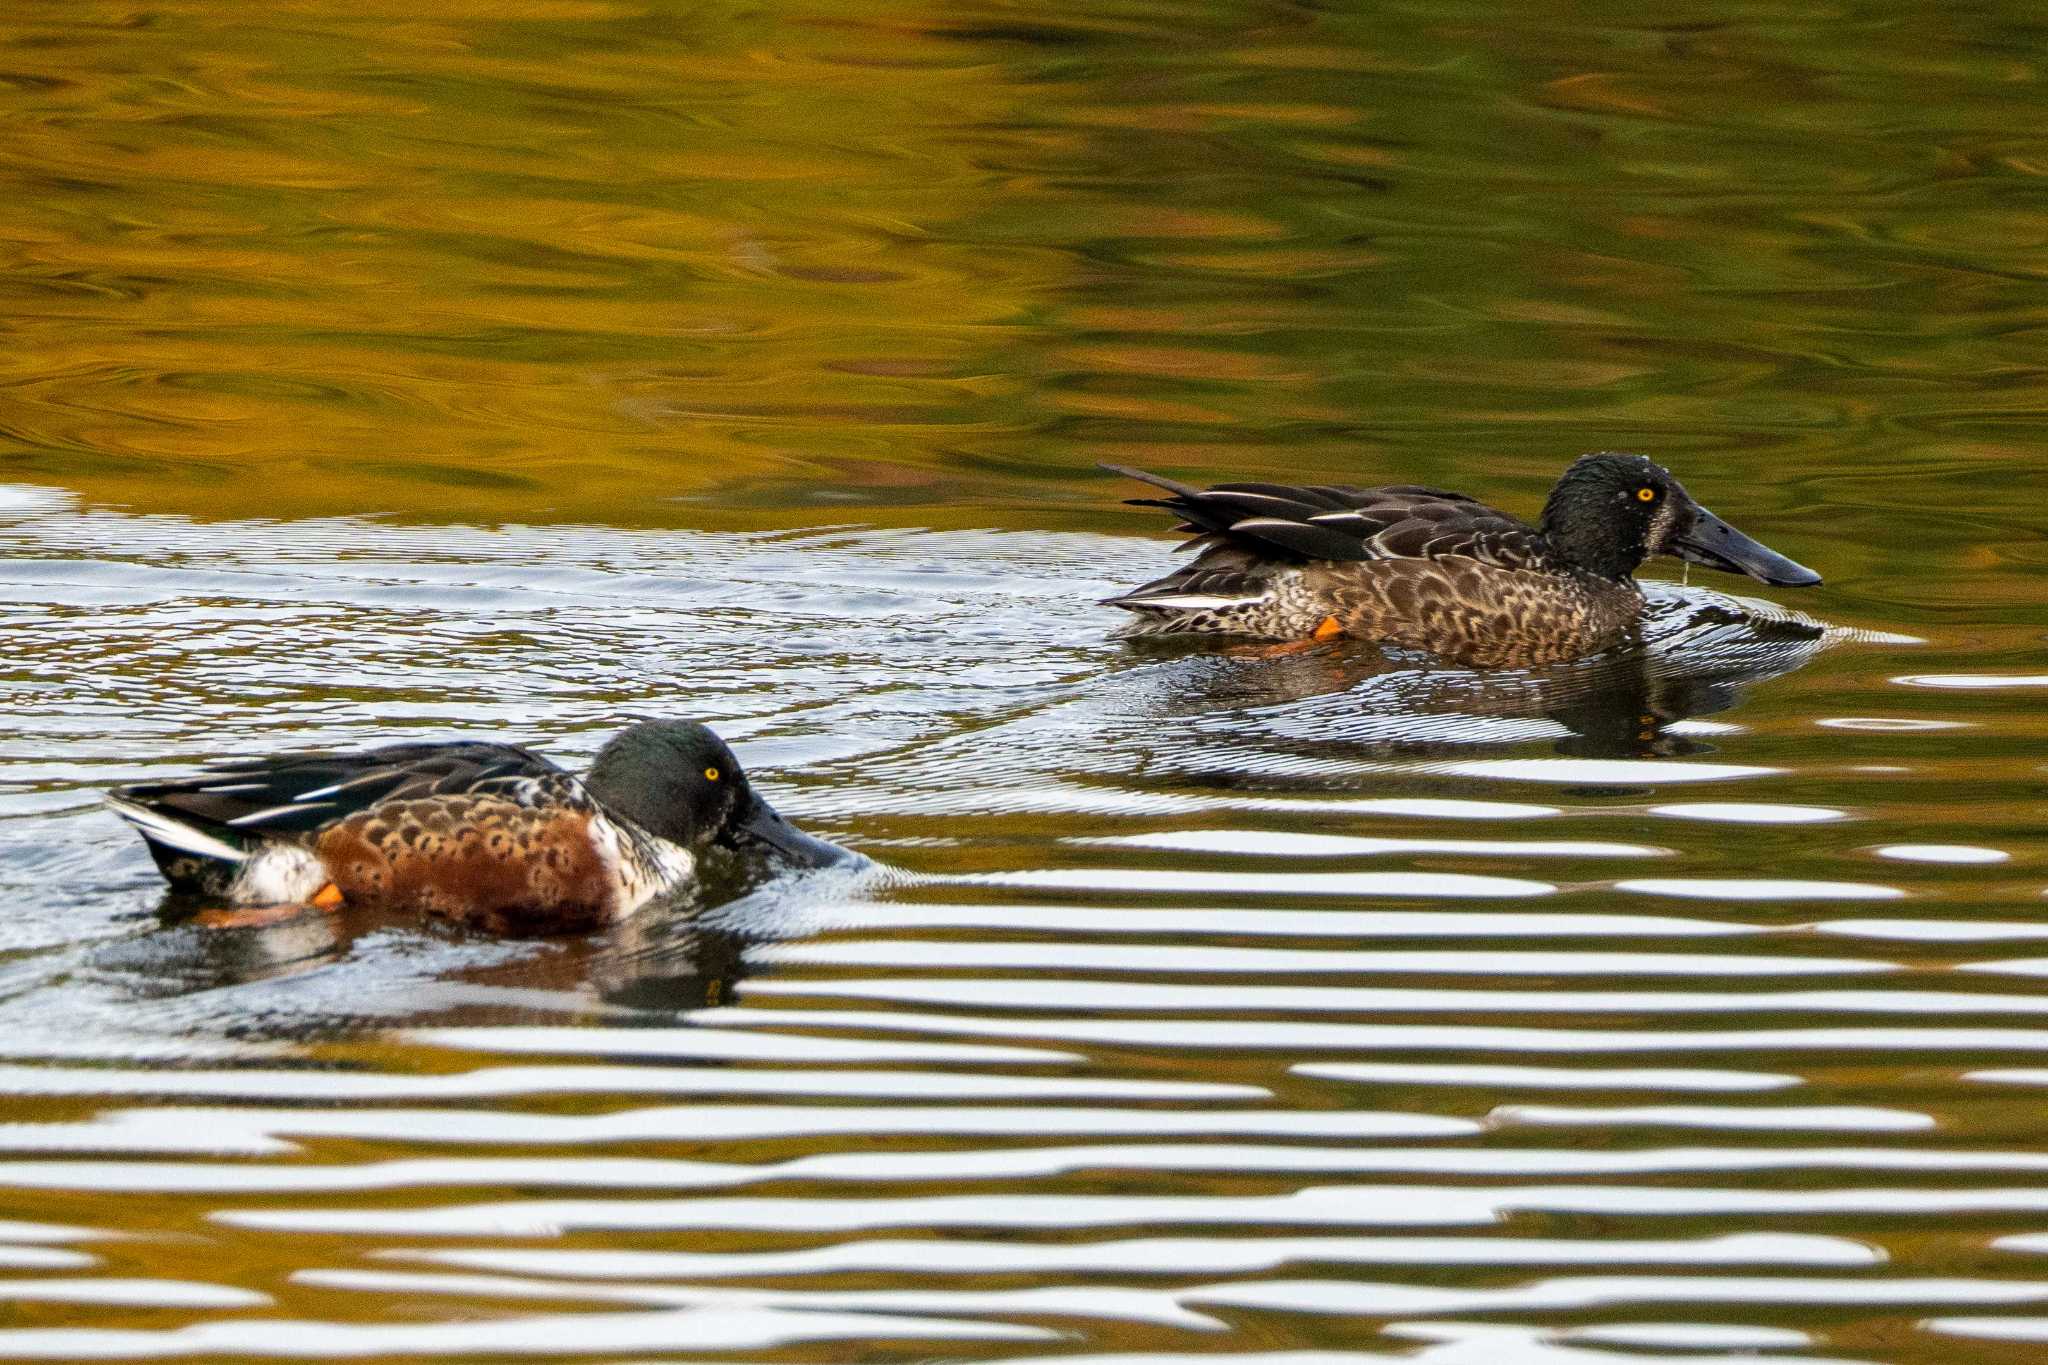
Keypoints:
pixel 1609 512
pixel 678 780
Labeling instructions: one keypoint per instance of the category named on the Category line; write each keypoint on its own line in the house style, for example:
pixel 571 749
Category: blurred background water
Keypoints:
pixel 517 368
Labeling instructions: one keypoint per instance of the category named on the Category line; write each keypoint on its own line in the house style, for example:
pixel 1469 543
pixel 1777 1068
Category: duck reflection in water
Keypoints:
pixel 329 975
pixel 1697 654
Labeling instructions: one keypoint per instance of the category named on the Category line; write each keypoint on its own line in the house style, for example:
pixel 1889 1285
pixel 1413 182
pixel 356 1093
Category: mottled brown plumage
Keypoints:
pixel 1432 570
pixel 1469 613
pixel 484 833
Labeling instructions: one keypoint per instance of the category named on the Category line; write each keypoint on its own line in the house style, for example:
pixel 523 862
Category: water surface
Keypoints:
pixel 521 369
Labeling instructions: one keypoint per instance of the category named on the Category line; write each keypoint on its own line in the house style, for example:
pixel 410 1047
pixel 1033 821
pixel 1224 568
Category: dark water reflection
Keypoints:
pixel 519 368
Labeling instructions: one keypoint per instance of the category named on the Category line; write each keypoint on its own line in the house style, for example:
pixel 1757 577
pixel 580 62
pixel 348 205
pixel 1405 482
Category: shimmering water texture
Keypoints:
pixel 520 367
pixel 1326 1000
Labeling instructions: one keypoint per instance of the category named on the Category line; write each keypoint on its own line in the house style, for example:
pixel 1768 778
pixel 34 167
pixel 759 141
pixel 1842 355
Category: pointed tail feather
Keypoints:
pixel 1179 490
pixel 171 837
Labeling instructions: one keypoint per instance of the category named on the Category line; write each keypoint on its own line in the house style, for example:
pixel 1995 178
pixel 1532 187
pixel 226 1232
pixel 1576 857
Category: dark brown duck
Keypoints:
pixel 1426 569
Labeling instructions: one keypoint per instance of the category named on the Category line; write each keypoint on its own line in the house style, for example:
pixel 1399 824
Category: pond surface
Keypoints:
pixel 516 369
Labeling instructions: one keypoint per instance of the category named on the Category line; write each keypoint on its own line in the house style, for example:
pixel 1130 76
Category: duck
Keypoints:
pixel 1430 570
pixel 479 832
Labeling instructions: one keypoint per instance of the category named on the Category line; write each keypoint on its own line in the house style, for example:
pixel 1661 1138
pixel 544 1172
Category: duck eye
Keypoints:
pixel 711 774
pixel 1646 494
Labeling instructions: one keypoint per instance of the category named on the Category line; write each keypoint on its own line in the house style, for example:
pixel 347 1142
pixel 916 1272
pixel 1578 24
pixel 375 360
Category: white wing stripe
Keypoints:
pixel 364 779
pixel 175 833
pixel 1189 601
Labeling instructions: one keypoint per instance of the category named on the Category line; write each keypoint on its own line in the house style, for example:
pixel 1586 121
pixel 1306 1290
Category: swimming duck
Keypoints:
pixel 1442 572
pixel 485 833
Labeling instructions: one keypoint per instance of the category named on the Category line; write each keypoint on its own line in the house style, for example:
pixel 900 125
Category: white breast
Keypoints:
pixel 279 874
pixel 645 866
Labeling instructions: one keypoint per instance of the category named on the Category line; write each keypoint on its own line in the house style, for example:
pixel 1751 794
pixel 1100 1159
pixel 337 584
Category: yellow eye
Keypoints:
pixel 1646 495
pixel 711 774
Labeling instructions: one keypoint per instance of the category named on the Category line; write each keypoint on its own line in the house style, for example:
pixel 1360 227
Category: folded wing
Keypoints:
pixel 201 826
pixel 1243 534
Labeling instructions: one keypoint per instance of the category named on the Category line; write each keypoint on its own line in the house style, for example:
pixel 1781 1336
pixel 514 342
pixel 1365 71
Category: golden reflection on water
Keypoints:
pixel 379 373
pixel 509 264
pixel 731 267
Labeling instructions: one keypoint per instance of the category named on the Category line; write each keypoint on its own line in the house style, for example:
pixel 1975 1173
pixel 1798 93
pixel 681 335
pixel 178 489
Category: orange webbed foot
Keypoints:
pixel 1329 631
pixel 328 898
pixel 1285 649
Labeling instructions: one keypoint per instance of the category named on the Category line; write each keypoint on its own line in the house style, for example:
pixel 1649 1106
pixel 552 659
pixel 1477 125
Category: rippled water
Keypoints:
pixel 522 368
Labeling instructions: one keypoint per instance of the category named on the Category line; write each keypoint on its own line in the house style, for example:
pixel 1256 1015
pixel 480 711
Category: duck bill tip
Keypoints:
pixel 762 826
pixel 1712 542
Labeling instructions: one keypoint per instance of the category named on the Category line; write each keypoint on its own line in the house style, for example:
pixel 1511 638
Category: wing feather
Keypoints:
pixel 223 813
pixel 1266 524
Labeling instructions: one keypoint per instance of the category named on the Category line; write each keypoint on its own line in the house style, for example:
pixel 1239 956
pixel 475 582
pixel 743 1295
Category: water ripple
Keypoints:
pixel 707 1329
pixel 1606 1291
pixel 1283 844
pixel 1321 1037
pixel 1399 885
pixel 515 1081
pixel 1064 957
pixel 257 1131
pixel 1162 1256
pixel 511 371
pixel 1548 1077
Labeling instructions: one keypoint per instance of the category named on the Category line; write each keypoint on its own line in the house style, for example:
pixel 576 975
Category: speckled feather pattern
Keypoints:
pixel 1470 612
pixel 1417 567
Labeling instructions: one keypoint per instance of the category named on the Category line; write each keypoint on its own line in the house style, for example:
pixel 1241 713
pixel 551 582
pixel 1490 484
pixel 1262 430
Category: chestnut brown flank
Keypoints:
pixel 478 860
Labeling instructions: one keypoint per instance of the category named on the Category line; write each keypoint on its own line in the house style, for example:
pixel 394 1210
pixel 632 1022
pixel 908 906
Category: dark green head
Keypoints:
pixel 1609 512
pixel 678 780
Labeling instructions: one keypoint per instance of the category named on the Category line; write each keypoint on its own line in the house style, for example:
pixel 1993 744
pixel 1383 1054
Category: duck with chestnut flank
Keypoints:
pixel 484 833
pixel 1425 569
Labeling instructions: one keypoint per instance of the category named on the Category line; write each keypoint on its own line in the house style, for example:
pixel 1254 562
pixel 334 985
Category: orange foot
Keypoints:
pixel 1330 629
pixel 327 897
